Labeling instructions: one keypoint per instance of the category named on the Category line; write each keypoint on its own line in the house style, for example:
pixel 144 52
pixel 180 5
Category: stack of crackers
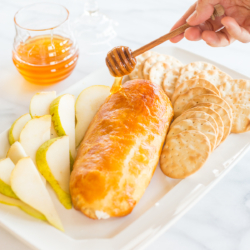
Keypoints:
pixel 208 106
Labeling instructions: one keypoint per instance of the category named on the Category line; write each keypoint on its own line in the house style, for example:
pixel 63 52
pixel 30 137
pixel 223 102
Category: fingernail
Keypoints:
pixel 192 16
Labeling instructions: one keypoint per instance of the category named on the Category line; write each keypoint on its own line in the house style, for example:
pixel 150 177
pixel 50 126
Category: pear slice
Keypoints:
pixel 87 104
pixel 17 127
pixel 40 103
pixel 53 162
pixel 53 133
pixel 16 152
pixel 62 111
pixel 26 208
pixel 39 106
pixel 34 134
pixel 6 167
pixel 7 196
pixel 28 186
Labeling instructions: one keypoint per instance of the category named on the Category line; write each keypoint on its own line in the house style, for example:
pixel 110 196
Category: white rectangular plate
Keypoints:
pixel 158 209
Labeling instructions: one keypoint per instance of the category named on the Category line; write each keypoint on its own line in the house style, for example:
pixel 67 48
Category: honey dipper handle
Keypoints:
pixel 218 11
pixel 161 40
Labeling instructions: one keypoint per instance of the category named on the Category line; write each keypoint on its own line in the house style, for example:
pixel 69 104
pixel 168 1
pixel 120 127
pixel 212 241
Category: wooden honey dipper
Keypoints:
pixel 121 60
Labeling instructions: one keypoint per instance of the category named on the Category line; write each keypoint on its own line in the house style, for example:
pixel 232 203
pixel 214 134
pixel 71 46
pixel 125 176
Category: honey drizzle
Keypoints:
pixel 117 85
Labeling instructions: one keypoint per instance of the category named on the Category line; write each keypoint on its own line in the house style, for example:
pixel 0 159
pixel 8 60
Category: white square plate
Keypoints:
pixel 158 209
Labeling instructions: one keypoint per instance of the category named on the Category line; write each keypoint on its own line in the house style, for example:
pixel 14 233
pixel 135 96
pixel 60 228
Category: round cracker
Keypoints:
pixel 234 86
pixel 198 66
pixel 214 115
pixel 169 81
pixel 156 73
pixel 184 154
pixel 227 121
pixel 184 99
pixel 137 72
pixel 187 75
pixel 200 115
pixel 238 98
pixel 189 84
pixel 209 99
pixel 171 61
pixel 216 77
pixel 195 124
pixel 241 118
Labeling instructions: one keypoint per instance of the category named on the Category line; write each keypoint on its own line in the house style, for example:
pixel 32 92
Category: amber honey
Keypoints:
pixel 45 59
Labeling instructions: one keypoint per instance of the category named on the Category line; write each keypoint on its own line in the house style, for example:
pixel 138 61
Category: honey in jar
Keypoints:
pixel 45 59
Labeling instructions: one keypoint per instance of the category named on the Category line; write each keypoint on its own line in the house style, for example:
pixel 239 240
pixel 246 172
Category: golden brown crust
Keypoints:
pixel 121 149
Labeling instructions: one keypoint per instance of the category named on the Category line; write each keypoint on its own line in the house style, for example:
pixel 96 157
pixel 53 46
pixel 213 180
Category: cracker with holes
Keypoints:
pixel 225 117
pixel 157 72
pixel 169 81
pixel 195 124
pixel 194 66
pixel 238 98
pixel 241 118
pixel 171 61
pixel 209 99
pixel 137 72
pixel 189 84
pixel 234 86
pixel 216 117
pixel 216 77
pixel 184 98
pixel 184 154
pixel 200 115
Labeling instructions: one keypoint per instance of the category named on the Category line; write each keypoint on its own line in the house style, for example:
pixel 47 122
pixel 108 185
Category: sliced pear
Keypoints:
pixel 40 103
pixel 26 208
pixel 53 162
pixel 39 106
pixel 53 133
pixel 34 134
pixel 7 196
pixel 87 104
pixel 62 111
pixel 6 167
pixel 17 127
pixel 28 186
pixel 16 152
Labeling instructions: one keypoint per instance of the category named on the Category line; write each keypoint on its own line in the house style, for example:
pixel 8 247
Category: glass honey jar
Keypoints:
pixel 45 50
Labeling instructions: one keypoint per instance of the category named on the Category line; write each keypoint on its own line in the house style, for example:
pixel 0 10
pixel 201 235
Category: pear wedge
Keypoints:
pixel 6 167
pixel 16 152
pixel 26 208
pixel 53 162
pixel 87 104
pixel 7 196
pixel 62 111
pixel 39 106
pixel 40 103
pixel 17 127
pixel 28 186
pixel 34 134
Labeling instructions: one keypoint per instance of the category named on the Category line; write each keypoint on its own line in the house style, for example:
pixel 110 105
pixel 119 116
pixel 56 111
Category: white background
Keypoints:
pixel 221 220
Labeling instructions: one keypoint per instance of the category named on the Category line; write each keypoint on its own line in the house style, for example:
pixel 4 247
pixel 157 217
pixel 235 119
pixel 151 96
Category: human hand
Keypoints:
pixel 236 23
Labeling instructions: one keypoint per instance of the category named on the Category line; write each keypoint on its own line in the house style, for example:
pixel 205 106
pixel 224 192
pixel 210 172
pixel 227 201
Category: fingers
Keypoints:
pixel 217 39
pixel 203 12
pixel 194 33
pixel 234 30
pixel 181 22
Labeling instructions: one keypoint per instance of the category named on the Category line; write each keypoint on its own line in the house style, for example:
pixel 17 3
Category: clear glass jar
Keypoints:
pixel 45 50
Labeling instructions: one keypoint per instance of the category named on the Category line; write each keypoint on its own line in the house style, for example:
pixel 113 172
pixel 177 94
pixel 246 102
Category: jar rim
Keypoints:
pixel 43 29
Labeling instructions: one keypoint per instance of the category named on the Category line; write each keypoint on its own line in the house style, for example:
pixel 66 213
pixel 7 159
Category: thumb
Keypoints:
pixel 204 10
